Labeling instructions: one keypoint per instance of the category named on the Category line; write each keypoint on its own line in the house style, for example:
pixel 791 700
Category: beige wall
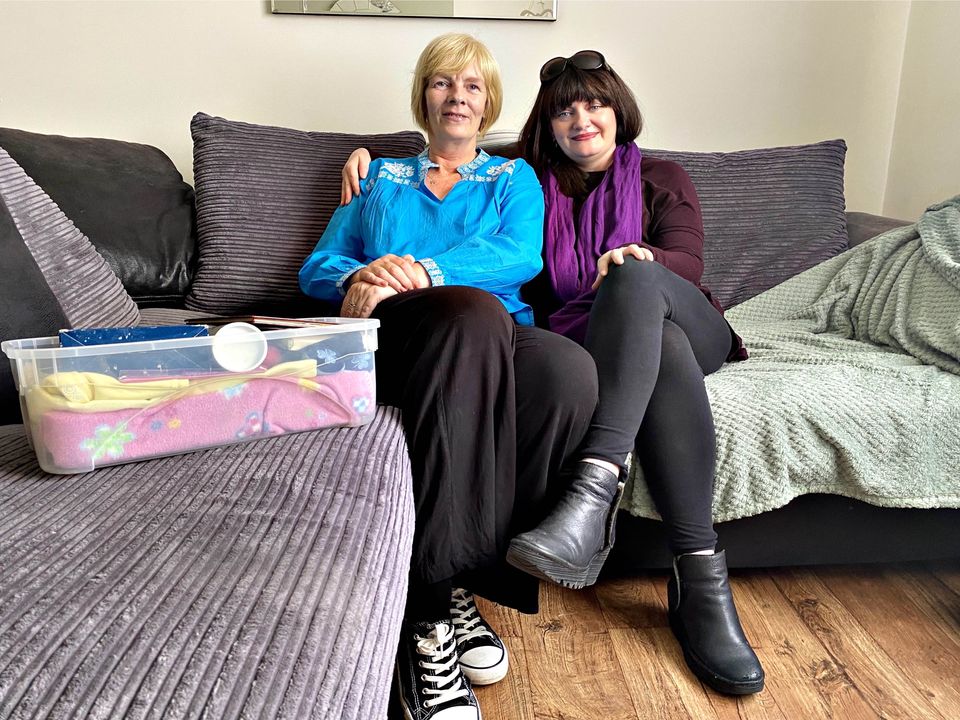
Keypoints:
pixel 709 75
pixel 925 162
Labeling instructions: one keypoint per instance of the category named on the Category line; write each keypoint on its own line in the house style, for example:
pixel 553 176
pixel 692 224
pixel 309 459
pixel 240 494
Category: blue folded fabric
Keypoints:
pixel 141 362
pixel 110 336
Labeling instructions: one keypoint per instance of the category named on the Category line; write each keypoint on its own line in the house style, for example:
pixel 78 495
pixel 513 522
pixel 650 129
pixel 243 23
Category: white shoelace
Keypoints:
pixel 467 623
pixel 440 646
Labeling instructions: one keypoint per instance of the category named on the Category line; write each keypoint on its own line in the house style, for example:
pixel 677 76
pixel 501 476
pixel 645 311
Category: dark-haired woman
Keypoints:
pixel 623 256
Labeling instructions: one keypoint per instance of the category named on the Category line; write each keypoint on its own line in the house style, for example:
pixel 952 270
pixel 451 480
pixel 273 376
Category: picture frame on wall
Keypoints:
pixel 482 9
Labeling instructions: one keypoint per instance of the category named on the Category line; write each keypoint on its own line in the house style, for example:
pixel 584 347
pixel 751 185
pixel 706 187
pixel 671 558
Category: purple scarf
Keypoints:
pixel 611 217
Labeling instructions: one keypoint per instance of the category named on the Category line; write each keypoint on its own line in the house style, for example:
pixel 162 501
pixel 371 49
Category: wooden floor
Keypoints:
pixel 843 642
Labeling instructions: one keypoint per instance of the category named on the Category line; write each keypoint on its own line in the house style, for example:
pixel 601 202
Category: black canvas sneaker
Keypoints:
pixel 483 657
pixel 430 682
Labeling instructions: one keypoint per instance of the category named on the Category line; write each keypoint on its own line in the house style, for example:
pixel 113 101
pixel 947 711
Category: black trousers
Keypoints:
pixel 654 336
pixel 490 411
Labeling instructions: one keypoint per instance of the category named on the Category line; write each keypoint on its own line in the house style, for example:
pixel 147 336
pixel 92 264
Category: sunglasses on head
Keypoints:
pixel 585 60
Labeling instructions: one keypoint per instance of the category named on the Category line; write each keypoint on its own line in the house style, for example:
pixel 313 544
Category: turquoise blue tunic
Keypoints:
pixel 485 233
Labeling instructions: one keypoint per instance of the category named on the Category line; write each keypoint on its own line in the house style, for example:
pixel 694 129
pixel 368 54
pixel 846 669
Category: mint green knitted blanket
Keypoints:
pixel 853 382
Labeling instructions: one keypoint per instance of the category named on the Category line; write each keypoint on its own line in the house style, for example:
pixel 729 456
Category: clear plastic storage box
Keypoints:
pixel 89 406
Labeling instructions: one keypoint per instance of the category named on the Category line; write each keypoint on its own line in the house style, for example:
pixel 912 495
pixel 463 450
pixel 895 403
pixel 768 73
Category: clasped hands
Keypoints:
pixel 385 277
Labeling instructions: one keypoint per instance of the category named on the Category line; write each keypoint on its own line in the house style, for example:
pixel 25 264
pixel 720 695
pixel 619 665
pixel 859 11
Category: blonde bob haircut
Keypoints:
pixel 450 54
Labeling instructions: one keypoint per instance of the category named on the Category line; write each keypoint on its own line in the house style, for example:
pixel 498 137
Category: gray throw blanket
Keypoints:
pixel 853 384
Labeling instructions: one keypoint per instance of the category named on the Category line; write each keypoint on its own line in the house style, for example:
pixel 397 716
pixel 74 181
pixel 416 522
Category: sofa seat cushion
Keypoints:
pixel 153 316
pixel 261 580
pixel 853 384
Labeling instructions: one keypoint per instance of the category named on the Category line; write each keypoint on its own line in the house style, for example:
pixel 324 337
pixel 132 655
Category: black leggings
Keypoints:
pixel 490 412
pixel 654 336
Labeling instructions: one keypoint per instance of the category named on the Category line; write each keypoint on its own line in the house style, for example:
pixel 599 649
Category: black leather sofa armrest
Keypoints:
pixel 863 226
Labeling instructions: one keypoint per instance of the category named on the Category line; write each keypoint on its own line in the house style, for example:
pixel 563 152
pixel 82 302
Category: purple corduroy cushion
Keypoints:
pixel 54 277
pixel 768 214
pixel 264 197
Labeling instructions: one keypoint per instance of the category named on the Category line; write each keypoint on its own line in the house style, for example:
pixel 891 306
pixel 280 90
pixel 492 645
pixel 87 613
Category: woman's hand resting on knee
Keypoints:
pixel 617 256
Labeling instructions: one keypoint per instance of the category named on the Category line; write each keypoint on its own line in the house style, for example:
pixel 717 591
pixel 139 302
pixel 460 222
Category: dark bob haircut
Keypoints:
pixel 537 144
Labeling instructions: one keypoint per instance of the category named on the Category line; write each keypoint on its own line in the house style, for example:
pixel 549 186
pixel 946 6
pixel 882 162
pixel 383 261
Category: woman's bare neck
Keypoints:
pixel 450 157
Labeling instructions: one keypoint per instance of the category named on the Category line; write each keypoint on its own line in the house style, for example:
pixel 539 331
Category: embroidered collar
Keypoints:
pixel 467 170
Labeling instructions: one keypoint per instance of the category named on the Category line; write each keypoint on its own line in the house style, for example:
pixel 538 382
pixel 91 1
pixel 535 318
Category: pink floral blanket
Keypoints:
pixel 70 441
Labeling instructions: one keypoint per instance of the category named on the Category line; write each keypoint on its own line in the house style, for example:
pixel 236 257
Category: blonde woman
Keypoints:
pixel 437 247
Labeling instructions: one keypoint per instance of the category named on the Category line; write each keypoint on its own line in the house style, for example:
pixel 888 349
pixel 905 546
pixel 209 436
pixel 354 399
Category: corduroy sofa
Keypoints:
pixel 259 580
pixel 267 579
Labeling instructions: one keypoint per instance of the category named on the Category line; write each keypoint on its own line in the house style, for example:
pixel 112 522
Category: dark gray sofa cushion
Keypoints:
pixel 264 197
pixel 55 278
pixel 263 580
pixel 129 199
pixel 768 214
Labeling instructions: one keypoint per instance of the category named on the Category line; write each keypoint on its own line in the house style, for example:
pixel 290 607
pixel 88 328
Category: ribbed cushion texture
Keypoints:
pixel 263 580
pixel 127 198
pixel 152 316
pixel 53 275
pixel 264 197
pixel 767 214
pixel 27 307
pixel 89 292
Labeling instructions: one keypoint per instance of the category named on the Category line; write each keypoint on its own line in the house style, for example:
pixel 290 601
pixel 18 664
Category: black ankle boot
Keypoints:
pixel 705 622
pixel 570 546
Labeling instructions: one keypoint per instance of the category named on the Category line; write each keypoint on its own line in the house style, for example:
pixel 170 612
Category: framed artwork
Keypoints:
pixel 498 9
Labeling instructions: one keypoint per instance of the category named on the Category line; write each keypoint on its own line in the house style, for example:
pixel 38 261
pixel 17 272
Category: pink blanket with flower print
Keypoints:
pixel 254 408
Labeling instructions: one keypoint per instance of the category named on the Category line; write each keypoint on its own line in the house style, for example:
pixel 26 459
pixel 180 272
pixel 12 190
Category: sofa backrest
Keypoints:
pixel 134 206
pixel 863 226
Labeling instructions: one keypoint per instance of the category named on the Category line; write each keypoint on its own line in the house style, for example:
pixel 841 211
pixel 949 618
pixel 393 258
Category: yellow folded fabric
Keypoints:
pixel 70 389
pixel 94 392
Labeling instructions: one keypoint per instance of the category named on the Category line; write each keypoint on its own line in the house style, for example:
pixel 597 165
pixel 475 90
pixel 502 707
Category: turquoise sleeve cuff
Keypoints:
pixel 433 270
pixel 342 281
